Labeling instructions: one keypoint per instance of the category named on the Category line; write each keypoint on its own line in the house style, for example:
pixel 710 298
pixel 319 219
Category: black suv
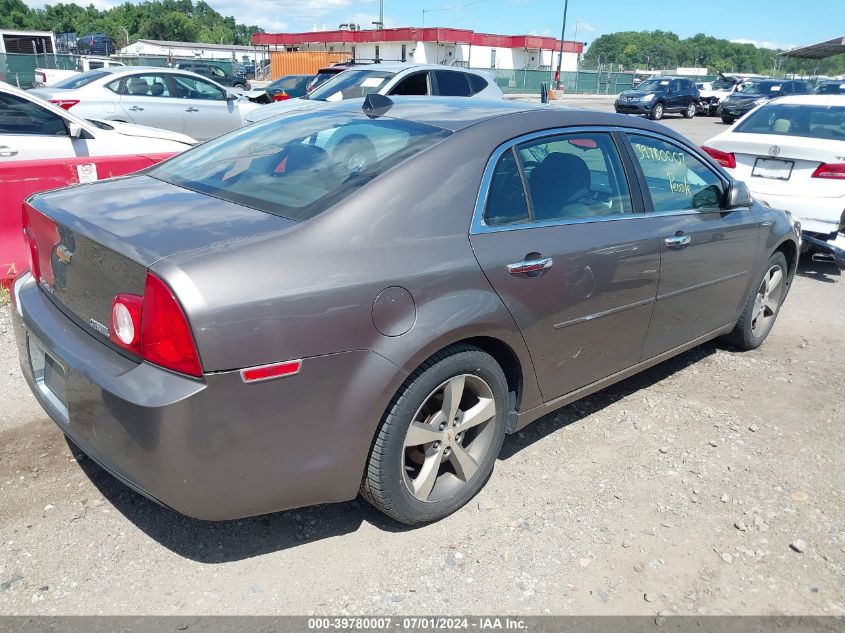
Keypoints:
pixel 753 93
pixel 214 72
pixel 659 95
pixel 95 44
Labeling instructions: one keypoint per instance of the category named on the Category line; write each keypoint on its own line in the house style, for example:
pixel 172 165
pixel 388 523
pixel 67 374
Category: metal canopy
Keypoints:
pixel 836 46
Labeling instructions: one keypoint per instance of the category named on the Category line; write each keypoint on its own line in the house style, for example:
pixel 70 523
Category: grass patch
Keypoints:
pixel 5 292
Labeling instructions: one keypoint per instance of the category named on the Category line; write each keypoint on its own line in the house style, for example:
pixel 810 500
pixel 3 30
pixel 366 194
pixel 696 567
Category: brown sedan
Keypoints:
pixel 369 298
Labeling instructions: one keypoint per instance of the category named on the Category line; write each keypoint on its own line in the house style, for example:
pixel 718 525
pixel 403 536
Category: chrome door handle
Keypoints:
pixel 6 151
pixel 136 109
pixel 192 109
pixel 678 242
pixel 529 266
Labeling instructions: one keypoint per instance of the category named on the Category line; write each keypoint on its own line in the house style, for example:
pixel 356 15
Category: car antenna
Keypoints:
pixel 375 105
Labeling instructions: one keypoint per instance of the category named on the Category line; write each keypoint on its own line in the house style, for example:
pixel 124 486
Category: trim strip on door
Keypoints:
pixel 598 315
pixel 675 293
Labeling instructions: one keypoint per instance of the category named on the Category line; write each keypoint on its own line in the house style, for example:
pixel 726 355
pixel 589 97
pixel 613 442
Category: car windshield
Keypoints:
pixel 762 88
pixel 831 89
pixel 654 85
pixel 82 79
pixel 297 166
pixel 811 121
pixel 288 83
pixel 351 84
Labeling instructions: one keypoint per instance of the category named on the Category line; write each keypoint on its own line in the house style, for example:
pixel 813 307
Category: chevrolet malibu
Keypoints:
pixel 261 323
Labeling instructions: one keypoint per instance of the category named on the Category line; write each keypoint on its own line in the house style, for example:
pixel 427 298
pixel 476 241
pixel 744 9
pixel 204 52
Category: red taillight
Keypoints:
pixel 834 171
pixel 276 370
pixel 42 236
pixel 34 268
pixel 42 77
pixel 723 158
pixel 66 104
pixel 155 327
pixel 281 96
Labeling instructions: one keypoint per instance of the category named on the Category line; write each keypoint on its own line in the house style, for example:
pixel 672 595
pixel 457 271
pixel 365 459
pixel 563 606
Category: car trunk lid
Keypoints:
pixel 96 241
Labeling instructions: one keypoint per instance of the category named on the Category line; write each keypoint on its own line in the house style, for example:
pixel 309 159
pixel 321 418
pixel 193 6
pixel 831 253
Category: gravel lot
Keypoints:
pixel 711 484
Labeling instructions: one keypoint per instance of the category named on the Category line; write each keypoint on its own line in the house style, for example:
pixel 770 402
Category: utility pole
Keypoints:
pixel 562 40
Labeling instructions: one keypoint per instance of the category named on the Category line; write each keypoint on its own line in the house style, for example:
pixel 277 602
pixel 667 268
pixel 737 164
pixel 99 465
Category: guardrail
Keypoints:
pixel 20 179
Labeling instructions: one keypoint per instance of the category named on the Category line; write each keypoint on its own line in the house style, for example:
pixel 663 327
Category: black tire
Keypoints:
pixel 657 112
pixel 384 484
pixel 744 335
pixel 728 120
pixel 690 111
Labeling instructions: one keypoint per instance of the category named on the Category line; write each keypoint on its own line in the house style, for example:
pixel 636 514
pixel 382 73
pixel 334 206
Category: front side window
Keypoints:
pixel 196 88
pixel 567 177
pixel 676 179
pixel 20 116
pixel 415 84
pixel 809 121
pixel 299 165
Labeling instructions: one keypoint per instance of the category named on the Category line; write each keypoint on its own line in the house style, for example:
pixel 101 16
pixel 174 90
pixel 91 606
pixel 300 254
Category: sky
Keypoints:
pixel 769 23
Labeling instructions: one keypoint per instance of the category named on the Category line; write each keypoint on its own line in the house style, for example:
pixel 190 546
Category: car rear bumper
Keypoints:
pixel 213 448
pixel 816 215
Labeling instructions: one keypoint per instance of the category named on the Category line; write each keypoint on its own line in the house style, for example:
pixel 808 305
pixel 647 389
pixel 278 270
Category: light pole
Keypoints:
pixel 126 33
pixel 558 77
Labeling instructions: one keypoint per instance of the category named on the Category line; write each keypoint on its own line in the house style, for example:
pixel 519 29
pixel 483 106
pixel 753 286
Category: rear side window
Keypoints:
pixel 676 179
pixel 506 201
pixel 810 121
pixel 477 83
pixel 452 83
pixel 300 165
pixel 20 116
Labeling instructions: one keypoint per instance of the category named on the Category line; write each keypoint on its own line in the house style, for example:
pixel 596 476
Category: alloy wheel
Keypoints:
pixel 448 437
pixel 767 301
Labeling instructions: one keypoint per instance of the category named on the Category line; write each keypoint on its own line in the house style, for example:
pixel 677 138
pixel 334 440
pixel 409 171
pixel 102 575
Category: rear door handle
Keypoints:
pixel 529 266
pixel 192 109
pixel 6 151
pixel 678 242
pixel 136 109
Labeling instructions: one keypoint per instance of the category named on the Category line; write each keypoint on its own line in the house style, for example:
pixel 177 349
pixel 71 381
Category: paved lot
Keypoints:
pixel 680 490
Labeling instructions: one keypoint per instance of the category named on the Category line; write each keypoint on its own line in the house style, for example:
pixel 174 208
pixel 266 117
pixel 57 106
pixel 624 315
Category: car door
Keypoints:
pixel 206 111
pixel 146 98
pixel 30 132
pixel 675 96
pixel 564 243
pixel 707 254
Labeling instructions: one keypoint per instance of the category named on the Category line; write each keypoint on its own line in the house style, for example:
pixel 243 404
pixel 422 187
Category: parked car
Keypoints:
pixel 284 88
pixel 216 73
pixel 659 95
pixel 388 79
pixel 158 97
pixel 754 93
pixel 830 88
pixel 260 324
pixel 791 153
pixel 31 129
pixel 50 76
pixel 711 94
pixel 95 44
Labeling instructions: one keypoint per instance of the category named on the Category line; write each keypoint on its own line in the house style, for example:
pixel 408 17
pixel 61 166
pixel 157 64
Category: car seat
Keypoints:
pixel 157 89
pixel 558 181
pixel 137 86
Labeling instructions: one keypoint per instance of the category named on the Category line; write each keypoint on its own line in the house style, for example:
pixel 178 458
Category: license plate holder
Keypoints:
pixel 49 376
pixel 773 168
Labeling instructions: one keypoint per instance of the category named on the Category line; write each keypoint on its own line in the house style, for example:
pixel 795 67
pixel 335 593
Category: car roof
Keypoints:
pixel 821 100
pixel 400 66
pixel 457 113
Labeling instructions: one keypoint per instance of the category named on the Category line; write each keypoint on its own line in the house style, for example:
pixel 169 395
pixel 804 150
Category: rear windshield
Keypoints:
pixel 811 121
pixel 297 166
pixel 351 84
pixel 82 79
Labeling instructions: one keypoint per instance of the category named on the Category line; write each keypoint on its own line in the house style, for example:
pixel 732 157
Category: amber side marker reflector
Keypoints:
pixel 268 372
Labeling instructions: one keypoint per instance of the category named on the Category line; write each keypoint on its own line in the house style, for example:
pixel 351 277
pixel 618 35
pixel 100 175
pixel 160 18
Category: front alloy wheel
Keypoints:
pixel 762 306
pixel 657 112
pixel 439 438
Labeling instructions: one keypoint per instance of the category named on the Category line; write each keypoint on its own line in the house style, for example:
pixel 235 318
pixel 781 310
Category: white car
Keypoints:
pixel 389 79
pixel 32 129
pixel 791 154
pixel 176 100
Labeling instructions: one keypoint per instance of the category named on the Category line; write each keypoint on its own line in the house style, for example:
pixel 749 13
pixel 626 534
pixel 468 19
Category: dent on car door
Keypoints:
pixel 707 253
pixel 562 240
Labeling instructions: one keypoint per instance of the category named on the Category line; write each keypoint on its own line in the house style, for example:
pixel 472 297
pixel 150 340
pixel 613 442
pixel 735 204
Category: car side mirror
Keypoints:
pixel 74 130
pixel 231 97
pixel 738 196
